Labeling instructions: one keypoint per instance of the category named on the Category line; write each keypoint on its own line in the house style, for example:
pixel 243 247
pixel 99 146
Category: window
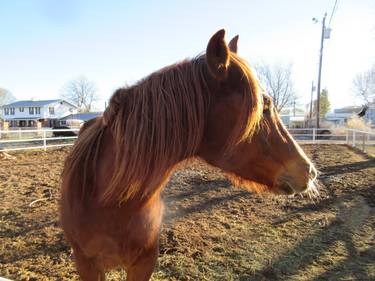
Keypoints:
pixel 37 110
pixel 31 110
pixel 51 110
pixel 12 110
pixel 21 109
pixel 63 123
pixel 6 111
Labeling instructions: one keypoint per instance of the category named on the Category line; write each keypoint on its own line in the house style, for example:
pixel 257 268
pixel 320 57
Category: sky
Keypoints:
pixel 46 43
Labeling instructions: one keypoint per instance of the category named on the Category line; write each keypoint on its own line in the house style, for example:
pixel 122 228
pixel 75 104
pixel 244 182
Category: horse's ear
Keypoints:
pixel 233 44
pixel 217 56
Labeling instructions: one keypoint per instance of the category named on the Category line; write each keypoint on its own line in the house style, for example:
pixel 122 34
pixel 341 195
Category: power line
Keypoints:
pixel 333 12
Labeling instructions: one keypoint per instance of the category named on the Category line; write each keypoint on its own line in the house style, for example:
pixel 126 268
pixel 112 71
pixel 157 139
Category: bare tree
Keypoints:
pixel 277 80
pixel 6 96
pixel 82 92
pixel 364 85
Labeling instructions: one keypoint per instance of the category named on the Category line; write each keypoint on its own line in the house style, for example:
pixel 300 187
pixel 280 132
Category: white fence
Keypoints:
pixel 12 140
pixel 360 139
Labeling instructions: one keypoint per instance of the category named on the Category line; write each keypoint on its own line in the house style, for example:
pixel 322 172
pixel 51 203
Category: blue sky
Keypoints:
pixel 44 44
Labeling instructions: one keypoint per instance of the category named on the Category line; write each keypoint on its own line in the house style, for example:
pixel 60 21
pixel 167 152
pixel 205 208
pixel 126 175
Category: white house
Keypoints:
pixel 27 113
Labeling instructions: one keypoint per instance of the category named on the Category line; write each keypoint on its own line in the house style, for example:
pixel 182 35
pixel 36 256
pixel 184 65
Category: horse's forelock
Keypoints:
pixel 250 113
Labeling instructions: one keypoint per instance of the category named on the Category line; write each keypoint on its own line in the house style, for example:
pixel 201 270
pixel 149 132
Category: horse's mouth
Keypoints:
pixel 285 188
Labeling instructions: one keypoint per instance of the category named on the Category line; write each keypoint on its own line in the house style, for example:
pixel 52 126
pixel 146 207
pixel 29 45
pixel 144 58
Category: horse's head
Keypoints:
pixel 243 134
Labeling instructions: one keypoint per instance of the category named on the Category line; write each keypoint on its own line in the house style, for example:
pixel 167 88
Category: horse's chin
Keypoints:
pixel 310 189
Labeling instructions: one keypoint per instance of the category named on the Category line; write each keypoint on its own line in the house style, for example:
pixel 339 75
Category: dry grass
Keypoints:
pixel 356 122
pixel 211 230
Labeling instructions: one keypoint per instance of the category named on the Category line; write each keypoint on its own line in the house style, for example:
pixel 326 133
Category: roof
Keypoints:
pixel 36 103
pixel 83 116
pixel 23 118
pixel 348 109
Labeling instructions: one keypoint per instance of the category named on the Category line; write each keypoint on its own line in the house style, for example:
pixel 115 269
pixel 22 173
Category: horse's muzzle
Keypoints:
pixel 299 182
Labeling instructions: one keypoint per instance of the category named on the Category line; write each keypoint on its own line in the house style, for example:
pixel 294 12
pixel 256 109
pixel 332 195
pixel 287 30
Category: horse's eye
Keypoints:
pixel 266 108
pixel 267 104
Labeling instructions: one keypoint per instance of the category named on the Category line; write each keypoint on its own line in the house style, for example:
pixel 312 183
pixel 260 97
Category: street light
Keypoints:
pixel 326 33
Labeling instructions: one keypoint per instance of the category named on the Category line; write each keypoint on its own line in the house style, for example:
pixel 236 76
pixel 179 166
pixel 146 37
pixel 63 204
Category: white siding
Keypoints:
pixel 61 109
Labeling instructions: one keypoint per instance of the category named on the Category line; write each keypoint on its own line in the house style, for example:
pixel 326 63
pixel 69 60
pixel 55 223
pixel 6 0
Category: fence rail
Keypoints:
pixel 13 140
pixel 363 140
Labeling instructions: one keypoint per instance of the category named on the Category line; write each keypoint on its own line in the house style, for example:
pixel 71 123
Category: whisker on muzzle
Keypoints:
pixel 312 190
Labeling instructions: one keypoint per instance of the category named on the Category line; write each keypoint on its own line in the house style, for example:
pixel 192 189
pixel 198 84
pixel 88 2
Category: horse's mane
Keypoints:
pixel 155 124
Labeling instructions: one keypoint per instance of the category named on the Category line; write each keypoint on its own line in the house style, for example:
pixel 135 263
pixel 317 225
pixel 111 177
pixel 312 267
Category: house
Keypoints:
pixel 292 117
pixel 30 113
pixel 340 116
pixel 370 114
pixel 77 119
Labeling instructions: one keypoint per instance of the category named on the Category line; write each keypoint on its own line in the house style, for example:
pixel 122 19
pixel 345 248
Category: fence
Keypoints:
pixel 363 140
pixel 12 140
pixel 360 139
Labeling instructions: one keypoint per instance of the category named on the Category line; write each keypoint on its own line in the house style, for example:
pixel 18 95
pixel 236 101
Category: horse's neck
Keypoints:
pixel 106 162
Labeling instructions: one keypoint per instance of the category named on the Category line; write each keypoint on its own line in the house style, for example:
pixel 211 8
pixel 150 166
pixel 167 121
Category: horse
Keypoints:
pixel 209 107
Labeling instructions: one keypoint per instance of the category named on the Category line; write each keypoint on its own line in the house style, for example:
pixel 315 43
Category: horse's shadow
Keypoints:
pixel 312 248
pixel 209 194
pixel 348 168
pixel 339 230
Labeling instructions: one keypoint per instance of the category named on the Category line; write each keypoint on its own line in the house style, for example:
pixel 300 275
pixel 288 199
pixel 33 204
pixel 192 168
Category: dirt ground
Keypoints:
pixel 211 230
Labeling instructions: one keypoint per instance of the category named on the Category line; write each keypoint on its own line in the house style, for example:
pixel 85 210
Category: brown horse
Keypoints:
pixel 209 107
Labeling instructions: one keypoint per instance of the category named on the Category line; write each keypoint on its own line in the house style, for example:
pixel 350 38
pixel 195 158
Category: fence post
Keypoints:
pixel 347 136
pixel 353 139
pixel 19 133
pixel 363 142
pixel 44 140
pixel 314 133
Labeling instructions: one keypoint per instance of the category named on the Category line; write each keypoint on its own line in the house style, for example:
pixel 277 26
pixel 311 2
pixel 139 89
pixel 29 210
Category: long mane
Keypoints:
pixel 155 124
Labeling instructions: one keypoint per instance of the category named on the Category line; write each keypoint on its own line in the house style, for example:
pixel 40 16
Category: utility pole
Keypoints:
pixel 320 70
pixel 311 101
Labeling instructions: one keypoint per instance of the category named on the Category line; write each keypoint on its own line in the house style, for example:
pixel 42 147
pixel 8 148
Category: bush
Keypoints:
pixel 356 122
